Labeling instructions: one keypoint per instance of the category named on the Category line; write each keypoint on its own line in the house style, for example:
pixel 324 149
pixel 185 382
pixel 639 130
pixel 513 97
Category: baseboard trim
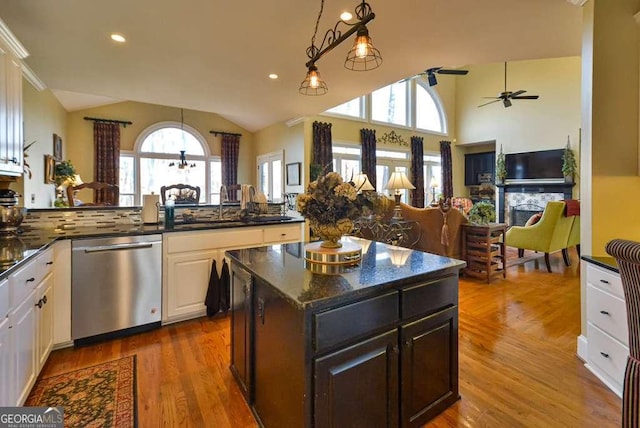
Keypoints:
pixel 583 348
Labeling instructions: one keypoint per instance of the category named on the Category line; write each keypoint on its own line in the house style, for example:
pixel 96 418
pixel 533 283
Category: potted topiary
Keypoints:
pixel 482 213
pixel 501 167
pixel 569 165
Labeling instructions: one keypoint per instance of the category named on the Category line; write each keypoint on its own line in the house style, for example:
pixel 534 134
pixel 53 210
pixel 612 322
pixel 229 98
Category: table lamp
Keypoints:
pixel 362 183
pixel 433 185
pixel 398 182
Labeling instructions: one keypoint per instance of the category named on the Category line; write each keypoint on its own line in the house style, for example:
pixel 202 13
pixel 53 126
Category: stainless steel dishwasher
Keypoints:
pixel 116 285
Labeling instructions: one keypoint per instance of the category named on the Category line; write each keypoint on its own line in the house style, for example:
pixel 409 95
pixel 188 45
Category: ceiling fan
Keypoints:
pixel 507 96
pixel 431 73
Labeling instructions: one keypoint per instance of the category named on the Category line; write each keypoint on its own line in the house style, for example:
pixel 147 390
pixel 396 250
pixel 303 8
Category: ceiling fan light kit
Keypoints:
pixel 363 56
pixel 431 73
pixel 507 96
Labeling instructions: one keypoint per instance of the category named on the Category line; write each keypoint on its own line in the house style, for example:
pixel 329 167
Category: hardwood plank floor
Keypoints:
pixel 518 364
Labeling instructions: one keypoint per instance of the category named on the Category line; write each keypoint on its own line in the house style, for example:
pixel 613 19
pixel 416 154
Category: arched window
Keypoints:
pixel 155 162
pixel 429 112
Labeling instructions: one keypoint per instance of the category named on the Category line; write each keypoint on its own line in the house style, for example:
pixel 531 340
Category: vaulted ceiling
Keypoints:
pixel 215 55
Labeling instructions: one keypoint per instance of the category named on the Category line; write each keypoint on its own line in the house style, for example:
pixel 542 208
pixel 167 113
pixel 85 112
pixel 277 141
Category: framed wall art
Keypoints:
pixel 49 169
pixel 293 174
pixel 57 147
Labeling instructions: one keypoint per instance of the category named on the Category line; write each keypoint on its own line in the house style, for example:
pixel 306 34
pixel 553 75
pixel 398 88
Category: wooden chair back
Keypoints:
pixel 183 193
pixel 112 193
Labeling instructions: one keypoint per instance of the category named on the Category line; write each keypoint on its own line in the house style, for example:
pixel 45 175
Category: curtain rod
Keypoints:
pixel 224 133
pixel 97 119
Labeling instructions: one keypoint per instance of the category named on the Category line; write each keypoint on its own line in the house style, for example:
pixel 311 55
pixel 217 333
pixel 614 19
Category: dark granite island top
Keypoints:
pixel 310 349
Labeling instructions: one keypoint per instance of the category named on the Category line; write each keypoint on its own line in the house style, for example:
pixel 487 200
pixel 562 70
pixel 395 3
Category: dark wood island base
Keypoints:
pixel 373 346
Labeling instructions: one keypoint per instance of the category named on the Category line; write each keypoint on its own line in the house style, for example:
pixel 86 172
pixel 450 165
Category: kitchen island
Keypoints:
pixel 369 345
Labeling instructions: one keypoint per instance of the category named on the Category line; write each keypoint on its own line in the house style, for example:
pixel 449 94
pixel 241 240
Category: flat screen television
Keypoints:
pixel 542 165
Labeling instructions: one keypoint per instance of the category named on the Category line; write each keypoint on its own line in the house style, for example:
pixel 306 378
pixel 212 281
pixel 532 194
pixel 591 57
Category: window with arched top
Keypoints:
pixel 429 111
pixel 157 161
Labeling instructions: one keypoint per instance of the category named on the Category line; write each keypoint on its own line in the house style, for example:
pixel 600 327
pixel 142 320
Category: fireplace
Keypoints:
pixel 538 194
pixel 519 214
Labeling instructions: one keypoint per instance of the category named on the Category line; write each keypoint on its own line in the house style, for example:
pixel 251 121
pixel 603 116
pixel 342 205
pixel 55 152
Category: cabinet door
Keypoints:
pixel 7 394
pixel 188 279
pixel 62 295
pixel 23 321
pixel 360 377
pixel 429 366
pixel 470 174
pixel 241 331
pixel 44 311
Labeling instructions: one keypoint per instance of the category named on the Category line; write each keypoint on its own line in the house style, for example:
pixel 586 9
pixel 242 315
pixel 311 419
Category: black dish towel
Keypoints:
pixel 212 301
pixel 225 287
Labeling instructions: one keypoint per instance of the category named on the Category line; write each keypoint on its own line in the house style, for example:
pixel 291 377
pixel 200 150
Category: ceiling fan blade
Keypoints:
pixel 456 72
pixel 517 93
pixel 526 97
pixel 506 102
pixel 492 98
pixel 490 102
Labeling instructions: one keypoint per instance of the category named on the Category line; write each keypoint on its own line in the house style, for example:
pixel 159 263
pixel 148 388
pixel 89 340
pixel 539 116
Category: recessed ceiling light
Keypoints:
pixel 118 38
pixel 273 76
pixel 346 16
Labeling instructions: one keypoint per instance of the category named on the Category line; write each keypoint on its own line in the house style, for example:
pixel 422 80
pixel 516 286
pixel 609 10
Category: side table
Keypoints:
pixel 483 250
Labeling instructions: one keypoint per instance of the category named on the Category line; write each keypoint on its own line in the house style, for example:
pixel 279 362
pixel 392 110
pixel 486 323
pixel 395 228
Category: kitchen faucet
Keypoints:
pixel 223 197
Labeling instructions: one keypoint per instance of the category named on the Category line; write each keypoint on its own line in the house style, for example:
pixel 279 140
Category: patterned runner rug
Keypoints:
pixel 103 395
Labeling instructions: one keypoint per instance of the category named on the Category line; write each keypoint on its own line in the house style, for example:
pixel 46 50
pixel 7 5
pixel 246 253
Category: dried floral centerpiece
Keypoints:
pixel 331 205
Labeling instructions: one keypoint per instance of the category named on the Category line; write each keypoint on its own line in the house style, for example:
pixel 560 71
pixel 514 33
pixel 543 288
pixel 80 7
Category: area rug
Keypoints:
pixel 103 395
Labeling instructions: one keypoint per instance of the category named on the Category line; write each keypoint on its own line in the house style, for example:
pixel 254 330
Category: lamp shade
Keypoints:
pixel 434 182
pixel 399 181
pixel 77 180
pixel 398 255
pixel 361 182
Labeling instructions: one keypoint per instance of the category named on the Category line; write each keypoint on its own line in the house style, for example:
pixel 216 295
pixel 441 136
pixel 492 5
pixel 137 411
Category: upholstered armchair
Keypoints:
pixel 549 234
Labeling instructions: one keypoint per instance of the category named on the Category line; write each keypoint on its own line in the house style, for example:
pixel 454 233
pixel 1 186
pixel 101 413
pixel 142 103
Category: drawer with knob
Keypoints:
pixel 23 282
pixel 607 353
pixel 288 233
pixel 605 280
pixel 607 312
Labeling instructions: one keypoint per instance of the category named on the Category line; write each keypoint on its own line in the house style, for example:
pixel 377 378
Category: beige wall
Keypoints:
pixel 280 137
pixel 43 117
pixel 528 125
pixel 80 133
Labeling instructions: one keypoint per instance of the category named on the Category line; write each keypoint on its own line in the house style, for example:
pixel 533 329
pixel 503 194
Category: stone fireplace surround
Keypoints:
pixel 511 195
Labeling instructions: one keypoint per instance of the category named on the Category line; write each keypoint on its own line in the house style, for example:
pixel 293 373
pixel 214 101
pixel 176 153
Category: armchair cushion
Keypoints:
pixel 533 219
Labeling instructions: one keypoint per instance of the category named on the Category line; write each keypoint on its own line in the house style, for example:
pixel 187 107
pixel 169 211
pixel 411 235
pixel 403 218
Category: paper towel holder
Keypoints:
pixel 151 209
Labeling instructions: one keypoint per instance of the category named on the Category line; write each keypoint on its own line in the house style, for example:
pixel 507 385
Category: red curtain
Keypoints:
pixel 368 139
pixel 106 138
pixel 417 171
pixel 447 169
pixel 229 158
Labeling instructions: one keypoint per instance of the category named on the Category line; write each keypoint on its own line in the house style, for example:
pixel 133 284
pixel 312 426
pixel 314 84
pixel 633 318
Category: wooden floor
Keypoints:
pixel 518 366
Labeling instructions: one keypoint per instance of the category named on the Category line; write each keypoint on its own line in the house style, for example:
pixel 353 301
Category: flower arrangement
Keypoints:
pixel 482 213
pixel 329 199
pixel 64 171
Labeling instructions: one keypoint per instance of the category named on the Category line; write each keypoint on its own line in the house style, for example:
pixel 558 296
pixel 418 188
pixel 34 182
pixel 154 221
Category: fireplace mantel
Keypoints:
pixel 534 187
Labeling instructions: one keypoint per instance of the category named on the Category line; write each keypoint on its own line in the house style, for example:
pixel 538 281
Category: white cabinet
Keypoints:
pixel 7 391
pixel 23 325
pixel 607 330
pixel 189 256
pixel 11 141
pixel 188 275
pixel 44 315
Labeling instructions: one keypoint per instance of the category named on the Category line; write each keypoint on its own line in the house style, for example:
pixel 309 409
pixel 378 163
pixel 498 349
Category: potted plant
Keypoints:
pixel 65 171
pixel 482 213
pixel 569 165
pixel 501 168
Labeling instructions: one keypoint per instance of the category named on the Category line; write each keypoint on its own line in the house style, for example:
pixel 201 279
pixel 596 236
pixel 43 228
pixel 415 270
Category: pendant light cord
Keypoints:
pixel 313 39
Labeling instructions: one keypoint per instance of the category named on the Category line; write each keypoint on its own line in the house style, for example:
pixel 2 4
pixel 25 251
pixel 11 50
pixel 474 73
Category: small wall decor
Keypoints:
pixel 392 138
pixel 293 174
pixel 57 147
pixel 49 169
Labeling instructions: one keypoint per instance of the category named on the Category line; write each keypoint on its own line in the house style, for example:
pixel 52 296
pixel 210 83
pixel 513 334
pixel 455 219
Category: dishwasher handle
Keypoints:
pixel 117 247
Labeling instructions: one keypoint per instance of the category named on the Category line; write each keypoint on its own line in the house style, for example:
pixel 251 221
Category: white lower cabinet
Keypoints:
pixel 44 316
pixel 23 326
pixel 7 385
pixel 189 276
pixel 607 331
pixel 189 256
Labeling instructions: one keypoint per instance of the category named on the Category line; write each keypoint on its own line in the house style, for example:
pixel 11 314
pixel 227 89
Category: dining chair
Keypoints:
pixel 112 193
pixel 182 193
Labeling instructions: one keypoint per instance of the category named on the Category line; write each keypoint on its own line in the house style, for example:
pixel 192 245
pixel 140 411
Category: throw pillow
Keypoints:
pixel 533 219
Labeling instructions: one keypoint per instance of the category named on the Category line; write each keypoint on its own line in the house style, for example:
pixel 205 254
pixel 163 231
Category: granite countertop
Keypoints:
pixel 284 267
pixel 19 248
pixel 602 261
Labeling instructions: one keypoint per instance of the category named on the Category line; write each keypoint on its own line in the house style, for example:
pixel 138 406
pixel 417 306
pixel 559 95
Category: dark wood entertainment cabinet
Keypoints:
pixel 375 345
